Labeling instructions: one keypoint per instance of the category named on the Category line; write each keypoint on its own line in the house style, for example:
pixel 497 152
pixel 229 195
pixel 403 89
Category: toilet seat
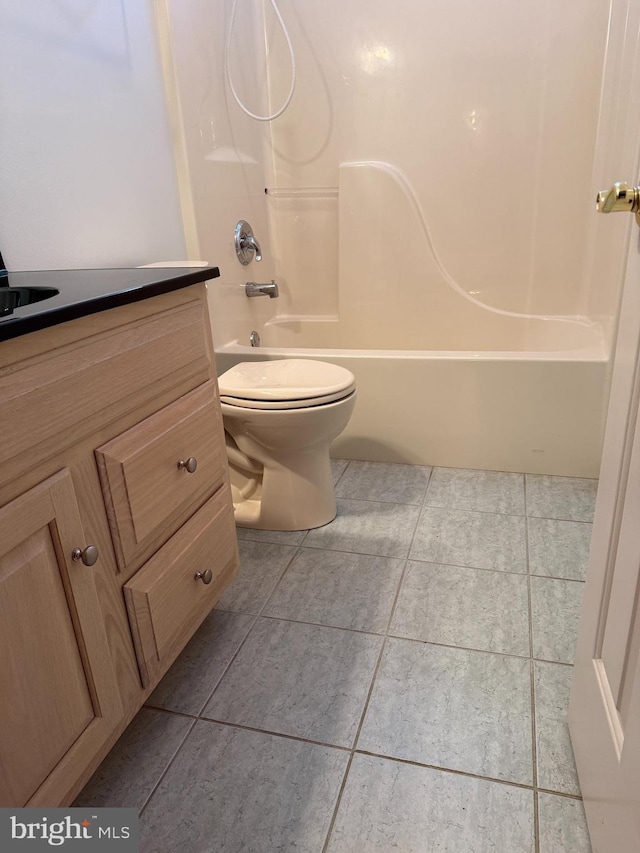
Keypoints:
pixel 290 383
pixel 307 403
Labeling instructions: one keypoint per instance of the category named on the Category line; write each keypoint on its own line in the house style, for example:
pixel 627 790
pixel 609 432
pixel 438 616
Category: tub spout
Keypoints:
pixel 252 288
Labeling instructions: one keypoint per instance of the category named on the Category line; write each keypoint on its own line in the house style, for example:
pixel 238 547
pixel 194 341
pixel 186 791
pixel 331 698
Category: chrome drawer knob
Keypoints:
pixel 190 465
pixel 89 556
pixel 206 576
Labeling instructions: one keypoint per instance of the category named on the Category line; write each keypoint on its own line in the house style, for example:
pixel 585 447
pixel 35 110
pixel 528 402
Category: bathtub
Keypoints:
pixel 516 394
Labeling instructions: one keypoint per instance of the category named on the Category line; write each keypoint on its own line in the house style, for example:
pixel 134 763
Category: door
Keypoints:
pixel 57 683
pixel 604 712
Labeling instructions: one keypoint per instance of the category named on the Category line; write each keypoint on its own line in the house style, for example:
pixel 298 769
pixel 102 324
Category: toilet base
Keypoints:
pixel 279 463
pixel 295 494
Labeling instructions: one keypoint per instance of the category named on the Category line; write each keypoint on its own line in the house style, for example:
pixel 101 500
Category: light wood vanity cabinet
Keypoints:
pixel 97 413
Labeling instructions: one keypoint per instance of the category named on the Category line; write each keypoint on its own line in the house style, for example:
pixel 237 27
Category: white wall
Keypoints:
pixel 87 175
pixel 222 149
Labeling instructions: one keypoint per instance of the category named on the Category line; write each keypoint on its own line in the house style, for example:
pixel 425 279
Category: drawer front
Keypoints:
pixel 165 599
pixel 77 391
pixel 143 486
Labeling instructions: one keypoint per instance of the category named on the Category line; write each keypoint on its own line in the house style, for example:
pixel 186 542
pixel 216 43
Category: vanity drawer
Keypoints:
pixel 50 404
pixel 166 600
pixel 144 489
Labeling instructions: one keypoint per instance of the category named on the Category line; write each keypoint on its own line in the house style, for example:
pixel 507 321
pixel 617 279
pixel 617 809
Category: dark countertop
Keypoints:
pixel 83 292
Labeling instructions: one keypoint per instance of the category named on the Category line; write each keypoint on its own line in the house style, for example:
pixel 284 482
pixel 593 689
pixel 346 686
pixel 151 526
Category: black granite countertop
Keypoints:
pixel 56 296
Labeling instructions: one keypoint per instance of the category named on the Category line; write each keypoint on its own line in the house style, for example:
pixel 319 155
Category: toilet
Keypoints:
pixel 280 418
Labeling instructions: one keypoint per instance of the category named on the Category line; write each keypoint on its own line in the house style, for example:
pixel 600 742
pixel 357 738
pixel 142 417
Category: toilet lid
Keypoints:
pixel 298 382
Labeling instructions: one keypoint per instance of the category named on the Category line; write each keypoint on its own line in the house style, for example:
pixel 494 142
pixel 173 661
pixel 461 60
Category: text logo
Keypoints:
pixel 83 830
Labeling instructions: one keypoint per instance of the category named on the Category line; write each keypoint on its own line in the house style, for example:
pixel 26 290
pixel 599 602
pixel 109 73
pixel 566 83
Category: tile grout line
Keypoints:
pixel 286 568
pixel 166 769
pixel 534 733
pixel 336 808
pixel 373 682
pixel 195 718
pixel 226 668
pixel 314 548
pixel 577 797
pixel 441 769
pixel 380 755
pixel 364 711
pixel 256 616
pixel 419 560
pixel 171 711
pixel 273 733
pixel 372 633
pixel 206 702
pixel 343 472
pixel 381 500
pixel 424 505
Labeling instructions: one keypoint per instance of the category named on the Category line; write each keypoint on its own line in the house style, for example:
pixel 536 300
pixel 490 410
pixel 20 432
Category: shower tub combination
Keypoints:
pixel 442 378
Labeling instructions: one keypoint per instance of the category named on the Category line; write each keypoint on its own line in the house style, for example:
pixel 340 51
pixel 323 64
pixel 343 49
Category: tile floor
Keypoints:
pixel 396 680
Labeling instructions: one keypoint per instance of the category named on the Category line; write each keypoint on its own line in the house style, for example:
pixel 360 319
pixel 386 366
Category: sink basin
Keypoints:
pixel 15 297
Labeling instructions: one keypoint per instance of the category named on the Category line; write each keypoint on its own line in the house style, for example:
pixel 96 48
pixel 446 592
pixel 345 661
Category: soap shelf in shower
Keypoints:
pixel 302 192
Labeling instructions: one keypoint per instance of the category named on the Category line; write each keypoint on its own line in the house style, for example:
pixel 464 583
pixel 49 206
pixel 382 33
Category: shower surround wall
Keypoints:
pixel 219 150
pixel 489 109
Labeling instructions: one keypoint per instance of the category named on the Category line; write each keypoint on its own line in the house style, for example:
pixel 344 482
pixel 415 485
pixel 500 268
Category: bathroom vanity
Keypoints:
pixel 117 534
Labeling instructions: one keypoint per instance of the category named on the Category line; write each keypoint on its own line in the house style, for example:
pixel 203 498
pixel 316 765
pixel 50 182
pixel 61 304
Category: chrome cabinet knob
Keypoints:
pixel 206 577
pixel 89 555
pixel 621 197
pixel 190 465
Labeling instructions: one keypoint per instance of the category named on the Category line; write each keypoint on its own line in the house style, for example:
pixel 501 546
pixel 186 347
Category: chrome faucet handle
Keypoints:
pixel 251 243
pixel 247 247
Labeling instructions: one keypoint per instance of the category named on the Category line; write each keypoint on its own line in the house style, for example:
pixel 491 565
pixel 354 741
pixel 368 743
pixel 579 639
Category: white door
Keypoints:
pixel 604 713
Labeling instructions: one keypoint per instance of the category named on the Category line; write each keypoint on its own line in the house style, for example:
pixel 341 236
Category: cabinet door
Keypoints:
pixel 57 685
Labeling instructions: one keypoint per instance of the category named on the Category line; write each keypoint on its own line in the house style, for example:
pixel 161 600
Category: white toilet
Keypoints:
pixel 279 419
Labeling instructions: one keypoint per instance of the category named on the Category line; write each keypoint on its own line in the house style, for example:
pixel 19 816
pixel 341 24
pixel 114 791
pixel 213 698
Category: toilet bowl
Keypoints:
pixel 280 418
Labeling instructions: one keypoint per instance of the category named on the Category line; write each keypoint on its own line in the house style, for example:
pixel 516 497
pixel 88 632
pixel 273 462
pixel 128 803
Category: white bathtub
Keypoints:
pixel 530 396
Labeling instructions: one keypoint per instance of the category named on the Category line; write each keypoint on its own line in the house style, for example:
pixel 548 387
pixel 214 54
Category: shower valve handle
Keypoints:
pixel 247 247
pixel 621 197
pixel 252 245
